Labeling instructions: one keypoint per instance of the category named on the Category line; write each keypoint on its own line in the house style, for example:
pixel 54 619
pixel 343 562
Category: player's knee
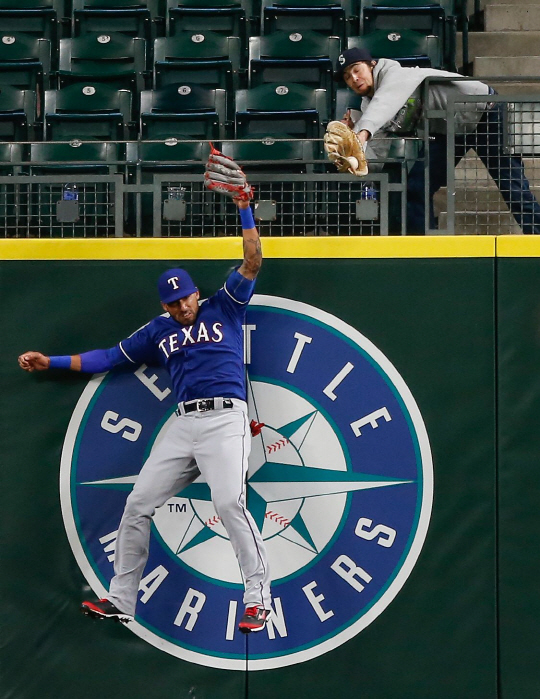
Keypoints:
pixel 228 506
pixel 137 505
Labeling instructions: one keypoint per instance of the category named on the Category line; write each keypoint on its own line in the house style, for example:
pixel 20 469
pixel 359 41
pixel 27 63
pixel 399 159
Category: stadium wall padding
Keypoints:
pixel 460 323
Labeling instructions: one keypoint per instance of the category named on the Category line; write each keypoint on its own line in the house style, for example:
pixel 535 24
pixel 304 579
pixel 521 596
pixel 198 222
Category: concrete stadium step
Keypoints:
pixel 501 43
pixel 485 3
pixel 513 17
pixel 520 89
pixel 471 170
pixel 470 200
pixel 507 66
pixel 482 224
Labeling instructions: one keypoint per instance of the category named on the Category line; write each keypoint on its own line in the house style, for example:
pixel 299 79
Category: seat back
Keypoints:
pixel 17 114
pixel 114 58
pixel 183 111
pixel 274 156
pixel 448 6
pixel 87 112
pixel 408 47
pixel 39 17
pixel 346 99
pixel 25 61
pixel 133 17
pixel 308 55
pixel 168 155
pixel 327 17
pixel 11 159
pixel 437 19
pixel 295 45
pixel 416 15
pixel 99 158
pixel 205 58
pixel 227 17
pixel 282 110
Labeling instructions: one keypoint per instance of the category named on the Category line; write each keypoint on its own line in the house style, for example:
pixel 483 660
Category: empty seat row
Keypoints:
pixel 110 158
pixel 101 112
pixel 143 18
pixel 207 59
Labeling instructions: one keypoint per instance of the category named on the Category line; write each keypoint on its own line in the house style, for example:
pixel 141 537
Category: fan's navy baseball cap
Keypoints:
pixel 174 284
pixel 347 58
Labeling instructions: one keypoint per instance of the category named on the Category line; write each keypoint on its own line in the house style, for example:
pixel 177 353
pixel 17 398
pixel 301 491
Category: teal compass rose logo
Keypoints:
pixel 339 483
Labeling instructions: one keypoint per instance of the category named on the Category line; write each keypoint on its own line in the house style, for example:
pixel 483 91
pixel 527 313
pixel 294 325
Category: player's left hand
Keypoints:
pixel 224 176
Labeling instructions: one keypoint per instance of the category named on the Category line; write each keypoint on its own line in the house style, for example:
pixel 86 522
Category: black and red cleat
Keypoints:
pixel 103 609
pixel 254 619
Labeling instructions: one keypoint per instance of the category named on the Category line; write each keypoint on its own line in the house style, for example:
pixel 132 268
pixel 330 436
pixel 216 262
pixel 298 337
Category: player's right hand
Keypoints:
pixel 34 361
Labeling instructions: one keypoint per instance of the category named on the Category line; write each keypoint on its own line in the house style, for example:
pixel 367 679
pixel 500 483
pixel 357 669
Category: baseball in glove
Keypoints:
pixel 224 176
pixel 344 149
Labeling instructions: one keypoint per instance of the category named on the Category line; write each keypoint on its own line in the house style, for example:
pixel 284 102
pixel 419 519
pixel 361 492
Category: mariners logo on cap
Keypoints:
pixel 339 483
pixel 341 59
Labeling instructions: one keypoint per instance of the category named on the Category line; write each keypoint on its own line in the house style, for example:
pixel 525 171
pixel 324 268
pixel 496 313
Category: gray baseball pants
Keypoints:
pixel 215 444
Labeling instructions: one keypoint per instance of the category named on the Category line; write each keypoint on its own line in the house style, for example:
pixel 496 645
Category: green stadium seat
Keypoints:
pixel 308 55
pixel 169 155
pixel 435 19
pixel 345 99
pixel 18 116
pixel 205 58
pixel 76 158
pixel 269 155
pixel 408 47
pixel 25 61
pixel 134 17
pixel 38 17
pixel 11 158
pixel 281 110
pixel 87 112
pixel 327 17
pixel 116 59
pixel 227 17
pixel 419 15
pixel 183 111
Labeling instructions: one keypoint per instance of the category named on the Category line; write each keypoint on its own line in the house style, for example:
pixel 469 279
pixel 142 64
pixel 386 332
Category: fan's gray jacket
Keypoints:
pixel 393 85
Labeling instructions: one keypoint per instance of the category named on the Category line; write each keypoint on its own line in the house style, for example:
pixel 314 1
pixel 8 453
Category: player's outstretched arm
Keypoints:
pixel 252 243
pixel 224 176
pixel 93 362
pixel 36 361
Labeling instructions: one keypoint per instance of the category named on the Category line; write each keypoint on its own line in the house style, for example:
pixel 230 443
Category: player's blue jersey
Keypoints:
pixel 205 359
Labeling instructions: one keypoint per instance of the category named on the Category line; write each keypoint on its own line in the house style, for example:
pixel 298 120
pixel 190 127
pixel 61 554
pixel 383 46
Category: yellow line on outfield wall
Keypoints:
pixel 231 248
pixel 518 246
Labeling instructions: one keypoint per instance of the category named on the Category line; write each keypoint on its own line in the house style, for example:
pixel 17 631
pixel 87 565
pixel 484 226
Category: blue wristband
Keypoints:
pixel 62 362
pixel 246 217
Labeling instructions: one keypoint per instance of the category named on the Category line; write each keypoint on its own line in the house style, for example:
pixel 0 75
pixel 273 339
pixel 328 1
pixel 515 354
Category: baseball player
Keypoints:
pixel 391 103
pixel 201 345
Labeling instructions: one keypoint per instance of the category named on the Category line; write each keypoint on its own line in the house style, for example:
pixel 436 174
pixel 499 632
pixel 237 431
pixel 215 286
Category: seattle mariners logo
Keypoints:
pixel 340 484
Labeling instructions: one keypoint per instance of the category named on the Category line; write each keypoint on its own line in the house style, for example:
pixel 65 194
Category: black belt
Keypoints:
pixel 202 405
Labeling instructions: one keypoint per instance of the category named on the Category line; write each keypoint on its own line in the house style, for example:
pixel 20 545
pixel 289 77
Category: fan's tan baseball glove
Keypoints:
pixel 344 149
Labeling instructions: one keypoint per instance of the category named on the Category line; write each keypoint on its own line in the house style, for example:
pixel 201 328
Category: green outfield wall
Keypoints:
pixel 421 588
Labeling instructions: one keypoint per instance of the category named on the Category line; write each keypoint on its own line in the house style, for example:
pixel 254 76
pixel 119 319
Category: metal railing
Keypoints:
pixel 159 198
pixel 497 145
pixel 491 158
pixel 33 206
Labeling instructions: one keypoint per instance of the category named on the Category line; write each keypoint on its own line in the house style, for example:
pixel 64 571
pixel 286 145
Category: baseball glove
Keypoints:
pixel 224 176
pixel 344 149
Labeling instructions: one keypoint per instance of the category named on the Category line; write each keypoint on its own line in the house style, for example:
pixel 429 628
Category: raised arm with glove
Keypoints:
pixel 224 176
